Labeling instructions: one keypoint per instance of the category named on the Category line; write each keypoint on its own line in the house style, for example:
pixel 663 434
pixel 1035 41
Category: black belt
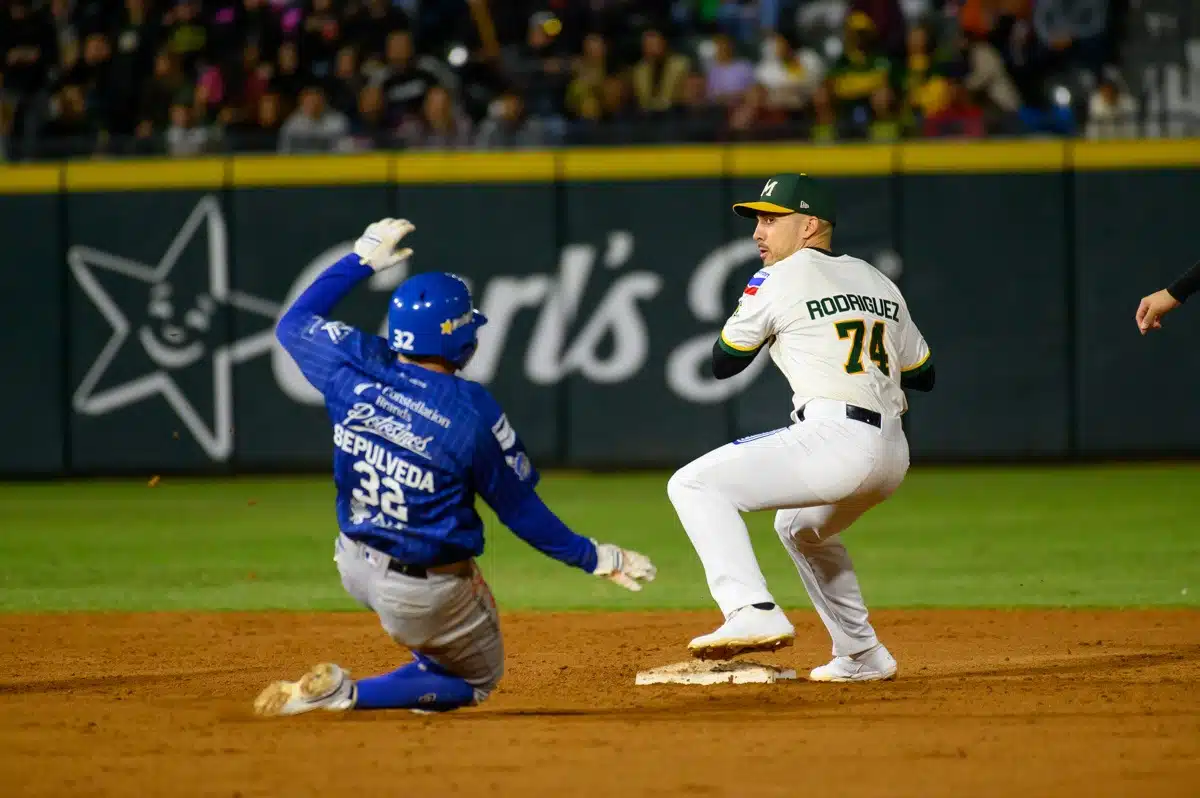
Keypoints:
pixel 415 571
pixel 379 548
pixel 460 567
pixel 856 413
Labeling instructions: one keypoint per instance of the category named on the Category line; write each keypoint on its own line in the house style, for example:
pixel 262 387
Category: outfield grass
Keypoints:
pixel 1085 536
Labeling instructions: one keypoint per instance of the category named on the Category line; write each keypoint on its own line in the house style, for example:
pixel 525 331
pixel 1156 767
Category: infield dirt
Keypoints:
pixel 988 703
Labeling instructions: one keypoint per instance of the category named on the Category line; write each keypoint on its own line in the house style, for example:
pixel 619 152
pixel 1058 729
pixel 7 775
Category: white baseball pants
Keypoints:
pixel 821 474
pixel 451 618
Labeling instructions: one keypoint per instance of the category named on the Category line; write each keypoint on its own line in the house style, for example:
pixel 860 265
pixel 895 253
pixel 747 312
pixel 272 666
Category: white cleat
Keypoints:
pixel 746 629
pixel 873 665
pixel 326 687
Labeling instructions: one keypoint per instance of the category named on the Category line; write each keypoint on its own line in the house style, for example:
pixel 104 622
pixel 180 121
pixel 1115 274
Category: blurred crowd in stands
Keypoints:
pixel 185 77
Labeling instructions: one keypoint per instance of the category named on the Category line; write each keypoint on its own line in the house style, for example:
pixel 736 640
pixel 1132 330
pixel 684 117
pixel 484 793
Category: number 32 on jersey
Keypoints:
pixel 389 500
pixel 856 330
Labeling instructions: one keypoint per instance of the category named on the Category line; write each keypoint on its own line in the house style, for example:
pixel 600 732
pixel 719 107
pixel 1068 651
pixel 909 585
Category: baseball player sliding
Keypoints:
pixel 413 445
pixel 841 333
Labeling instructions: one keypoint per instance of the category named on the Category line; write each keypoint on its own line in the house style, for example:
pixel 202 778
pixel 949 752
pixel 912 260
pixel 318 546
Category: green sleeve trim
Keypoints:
pixel 736 351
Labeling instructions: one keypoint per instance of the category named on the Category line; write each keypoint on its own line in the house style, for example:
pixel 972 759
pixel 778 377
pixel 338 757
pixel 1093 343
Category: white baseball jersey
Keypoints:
pixel 835 326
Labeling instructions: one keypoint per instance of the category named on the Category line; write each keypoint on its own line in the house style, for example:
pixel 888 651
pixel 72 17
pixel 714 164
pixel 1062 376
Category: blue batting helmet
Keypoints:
pixel 431 315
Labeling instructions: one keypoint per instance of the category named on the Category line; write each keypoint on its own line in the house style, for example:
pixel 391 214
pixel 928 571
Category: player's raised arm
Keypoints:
pixel 318 345
pixel 506 479
pixel 1153 307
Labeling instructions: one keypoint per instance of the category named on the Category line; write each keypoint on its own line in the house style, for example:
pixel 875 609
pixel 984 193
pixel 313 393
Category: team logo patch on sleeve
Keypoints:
pixel 758 279
pixel 337 331
pixel 521 465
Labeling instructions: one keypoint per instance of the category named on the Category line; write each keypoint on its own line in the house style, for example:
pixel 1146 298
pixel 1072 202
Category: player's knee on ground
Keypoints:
pixel 488 682
pixel 485 688
pixel 483 671
pixel 484 682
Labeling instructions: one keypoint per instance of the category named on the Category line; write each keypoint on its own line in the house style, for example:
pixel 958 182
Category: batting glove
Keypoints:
pixel 623 567
pixel 376 247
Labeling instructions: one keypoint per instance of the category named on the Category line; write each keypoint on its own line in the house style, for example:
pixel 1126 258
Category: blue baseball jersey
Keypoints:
pixel 412 448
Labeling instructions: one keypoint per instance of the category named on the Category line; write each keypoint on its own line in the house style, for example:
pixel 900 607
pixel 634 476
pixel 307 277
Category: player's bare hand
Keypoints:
pixel 1153 308
pixel 623 567
pixel 377 246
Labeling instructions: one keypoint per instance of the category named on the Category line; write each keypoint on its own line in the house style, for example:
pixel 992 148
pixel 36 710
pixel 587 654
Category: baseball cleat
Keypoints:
pixel 746 630
pixel 873 665
pixel 326 686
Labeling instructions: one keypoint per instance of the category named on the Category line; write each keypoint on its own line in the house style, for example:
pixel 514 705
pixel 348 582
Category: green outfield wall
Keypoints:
pixel 140 296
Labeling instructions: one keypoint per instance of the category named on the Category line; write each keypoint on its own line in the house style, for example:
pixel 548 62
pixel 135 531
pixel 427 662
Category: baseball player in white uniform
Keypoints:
pixel 840 331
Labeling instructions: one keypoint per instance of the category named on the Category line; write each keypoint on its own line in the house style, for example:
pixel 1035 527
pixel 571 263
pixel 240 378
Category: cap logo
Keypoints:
pixel 450 325
pixel 769 187
pixel 803 204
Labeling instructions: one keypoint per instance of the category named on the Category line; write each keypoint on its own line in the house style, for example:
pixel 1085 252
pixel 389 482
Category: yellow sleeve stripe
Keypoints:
pixel 918 364
pixel 731 345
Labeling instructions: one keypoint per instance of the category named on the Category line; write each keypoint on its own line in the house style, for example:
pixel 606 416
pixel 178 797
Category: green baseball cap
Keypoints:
pixel 791 193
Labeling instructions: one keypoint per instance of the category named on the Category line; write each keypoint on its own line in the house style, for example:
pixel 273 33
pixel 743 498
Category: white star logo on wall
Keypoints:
pixel 168 342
